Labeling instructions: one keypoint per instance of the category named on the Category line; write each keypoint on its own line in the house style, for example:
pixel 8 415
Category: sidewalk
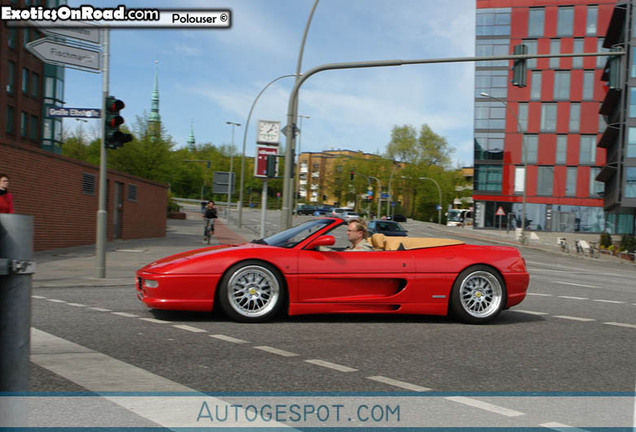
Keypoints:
pixel 77 267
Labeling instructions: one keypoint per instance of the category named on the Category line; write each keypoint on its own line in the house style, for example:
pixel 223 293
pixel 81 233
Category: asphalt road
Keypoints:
pixel 575 332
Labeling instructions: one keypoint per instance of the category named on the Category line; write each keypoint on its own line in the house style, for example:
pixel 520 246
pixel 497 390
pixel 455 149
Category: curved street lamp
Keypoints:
pixel 230 182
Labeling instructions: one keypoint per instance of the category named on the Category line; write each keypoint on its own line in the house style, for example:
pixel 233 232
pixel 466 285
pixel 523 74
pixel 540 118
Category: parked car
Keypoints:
pixel 305 209
pixel 289 271
pixel 387 227
pixel 338 212
pixel 398 218
pixel 349 216
pixel 323 209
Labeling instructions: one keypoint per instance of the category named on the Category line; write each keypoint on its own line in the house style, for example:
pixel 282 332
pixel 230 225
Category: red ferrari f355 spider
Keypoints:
pixel 304 270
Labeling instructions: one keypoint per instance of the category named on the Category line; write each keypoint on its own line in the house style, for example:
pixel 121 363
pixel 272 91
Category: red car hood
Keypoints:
pixel 181 260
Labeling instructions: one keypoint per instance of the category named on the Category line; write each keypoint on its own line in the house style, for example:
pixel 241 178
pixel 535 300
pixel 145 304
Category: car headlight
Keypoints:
pixel 149 283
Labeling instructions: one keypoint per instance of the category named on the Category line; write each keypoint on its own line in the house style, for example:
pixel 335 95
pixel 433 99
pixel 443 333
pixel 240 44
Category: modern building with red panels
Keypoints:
pixel 537 144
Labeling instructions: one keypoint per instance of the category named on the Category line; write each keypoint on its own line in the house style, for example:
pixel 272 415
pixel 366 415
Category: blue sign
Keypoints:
pixel 384 195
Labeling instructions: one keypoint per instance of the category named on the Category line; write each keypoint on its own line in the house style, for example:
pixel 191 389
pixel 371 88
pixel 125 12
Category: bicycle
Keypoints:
pixel 208 230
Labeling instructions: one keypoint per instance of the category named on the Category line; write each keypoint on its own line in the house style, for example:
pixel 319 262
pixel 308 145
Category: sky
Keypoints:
pixel 208 77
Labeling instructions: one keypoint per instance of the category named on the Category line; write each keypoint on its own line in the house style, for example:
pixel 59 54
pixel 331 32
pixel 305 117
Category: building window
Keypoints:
pixel 12 37
pixel 493 22
pixel 596 187
pixel 26 34
pixel 532 49
pixel 632 102
pixel 630 182
pixel 47 129
pixel 575 117
pixel 488 178
pixel 631 143
pixel 33 128
pixel 493 82
pixel 535 85
pixel 536 22
pixel 25 80
pixel 132 192
pixel 545 179
pixel 489 146
pixel 522 114
pixel 592 17
pixel 88 184
pixel 24 124
pixel 548 117
pixel 49 88
pixel 492 47
pixel 530 144
pixel 577 62
pixel 587 153
pixel 35 85
pixel 562 85
pixel 570 182
pixel 11 77
pixel 600 60
pixel 490 115
pixel 520 179
pixel 555 48
pixel 602 124
pixel 588 85
pixel 565 21
pixel 561 149
pixel 10 119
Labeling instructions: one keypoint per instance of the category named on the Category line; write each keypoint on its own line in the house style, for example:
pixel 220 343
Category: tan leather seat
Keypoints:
pixel 382 242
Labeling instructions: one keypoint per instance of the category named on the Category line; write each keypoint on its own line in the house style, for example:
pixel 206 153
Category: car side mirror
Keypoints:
pixel 325 240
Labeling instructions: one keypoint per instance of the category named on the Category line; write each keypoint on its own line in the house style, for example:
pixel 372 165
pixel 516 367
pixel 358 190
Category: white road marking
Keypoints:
pixel 38 297
pixel 567 317
pixel 189 328
pixel 56 301
pixel 574 298
pixel 98 309
pixel 562 427
pixel 621 324
pixel 76 304
pixel 125 314
pixel 154 320
pixel 276 351
pixel 576 284
pixel 485 406
pixel 540 295
pixel 400 384
pixel 530 312
pixel 330 365
pixel 228 339
pixel 609 301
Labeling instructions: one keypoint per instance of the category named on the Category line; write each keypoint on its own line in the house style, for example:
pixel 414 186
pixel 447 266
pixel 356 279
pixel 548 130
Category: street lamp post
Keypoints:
pixel 439 190
pixel 300 131
pixel 524 162
pixel 230 182
pixel 379 193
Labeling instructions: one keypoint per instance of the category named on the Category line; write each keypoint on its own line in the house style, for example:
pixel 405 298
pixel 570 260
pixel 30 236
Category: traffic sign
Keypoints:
pixel 64 55
pixel 500 212
pixel 73 112
pixel 82 30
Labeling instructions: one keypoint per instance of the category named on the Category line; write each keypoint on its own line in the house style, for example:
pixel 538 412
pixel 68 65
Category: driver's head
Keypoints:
pixel 357 230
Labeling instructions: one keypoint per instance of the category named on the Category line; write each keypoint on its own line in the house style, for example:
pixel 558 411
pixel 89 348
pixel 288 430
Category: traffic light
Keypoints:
pixel 520 68
pixel 613 71
pixel 271 166
pixel 351 174
pixel 114 138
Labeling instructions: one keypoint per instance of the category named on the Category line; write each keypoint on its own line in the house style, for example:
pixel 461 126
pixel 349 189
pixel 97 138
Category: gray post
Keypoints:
pixel 102 213
pixel 16 250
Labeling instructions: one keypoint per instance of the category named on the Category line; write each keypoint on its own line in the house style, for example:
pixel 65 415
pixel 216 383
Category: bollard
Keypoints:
pixel 16 267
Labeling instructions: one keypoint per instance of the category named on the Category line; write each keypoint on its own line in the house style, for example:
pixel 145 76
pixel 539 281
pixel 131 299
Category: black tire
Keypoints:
pixel 251 291
pixel 478 295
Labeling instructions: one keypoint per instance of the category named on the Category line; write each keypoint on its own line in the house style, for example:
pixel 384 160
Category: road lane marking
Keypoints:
pixel 76 304
pixel 330 365
pixel 609 301
pixel 562 427
pixel 400 384
pixel 621 324
pixel 574 298
pixel 38 297
pixel 576 284
pixel 540 295
pixel 228 339
pixel 276 351
pixel 125 314
pixel 530 312
pixel 154 320
pixel 98 309
pixel 485 406
pixel 189 328
pixel 567 317
pixel 56 301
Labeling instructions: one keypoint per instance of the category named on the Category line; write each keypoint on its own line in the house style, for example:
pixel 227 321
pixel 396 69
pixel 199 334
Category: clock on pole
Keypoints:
pixel 268 132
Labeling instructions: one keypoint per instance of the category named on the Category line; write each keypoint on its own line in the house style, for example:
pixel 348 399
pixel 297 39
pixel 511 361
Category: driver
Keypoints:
pixel 357 234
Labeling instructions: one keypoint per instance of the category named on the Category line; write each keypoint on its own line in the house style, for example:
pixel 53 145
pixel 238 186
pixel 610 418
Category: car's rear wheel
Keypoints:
pixel 478 295
pixel 251 291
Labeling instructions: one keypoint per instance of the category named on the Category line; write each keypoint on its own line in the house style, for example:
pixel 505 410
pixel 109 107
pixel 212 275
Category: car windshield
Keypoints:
pixel 294 235
pixel 454 216
pixel 389 226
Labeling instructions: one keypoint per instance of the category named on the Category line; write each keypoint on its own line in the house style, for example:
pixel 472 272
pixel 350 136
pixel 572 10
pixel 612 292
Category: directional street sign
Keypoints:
pixel 73 112
pixel 56 53
pixel 82 30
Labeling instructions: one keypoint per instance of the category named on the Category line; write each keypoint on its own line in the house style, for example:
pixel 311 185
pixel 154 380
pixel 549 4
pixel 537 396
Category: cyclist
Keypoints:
pixel 209 214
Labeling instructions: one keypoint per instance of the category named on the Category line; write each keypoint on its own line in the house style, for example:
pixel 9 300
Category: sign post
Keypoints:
pixel 500 212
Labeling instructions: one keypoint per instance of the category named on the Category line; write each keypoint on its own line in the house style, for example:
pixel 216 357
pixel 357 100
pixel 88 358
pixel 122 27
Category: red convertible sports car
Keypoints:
pixel 305 270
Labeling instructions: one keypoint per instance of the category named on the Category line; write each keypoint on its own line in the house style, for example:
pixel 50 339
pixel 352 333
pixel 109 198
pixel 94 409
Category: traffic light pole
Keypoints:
pixel 102 213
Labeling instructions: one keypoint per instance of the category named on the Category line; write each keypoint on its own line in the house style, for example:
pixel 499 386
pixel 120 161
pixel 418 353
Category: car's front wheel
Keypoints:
pixel 478 295
pixel 251 291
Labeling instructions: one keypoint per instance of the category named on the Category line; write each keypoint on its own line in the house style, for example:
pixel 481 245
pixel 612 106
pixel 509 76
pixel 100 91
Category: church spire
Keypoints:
pixel 154 106
pixel 191 141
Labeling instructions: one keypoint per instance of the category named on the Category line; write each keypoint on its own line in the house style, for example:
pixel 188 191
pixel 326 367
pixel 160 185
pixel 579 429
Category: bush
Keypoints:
pixel 173 207
pixel 628 243
pixel 606 240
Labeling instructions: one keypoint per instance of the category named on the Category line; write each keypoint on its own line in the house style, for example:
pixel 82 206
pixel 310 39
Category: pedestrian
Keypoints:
pixel 6 199
pixel 357 234
pixel 209 214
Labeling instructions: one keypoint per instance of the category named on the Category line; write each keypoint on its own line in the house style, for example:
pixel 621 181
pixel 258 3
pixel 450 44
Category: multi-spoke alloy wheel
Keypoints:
pixel 478 295
pixel 251 292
